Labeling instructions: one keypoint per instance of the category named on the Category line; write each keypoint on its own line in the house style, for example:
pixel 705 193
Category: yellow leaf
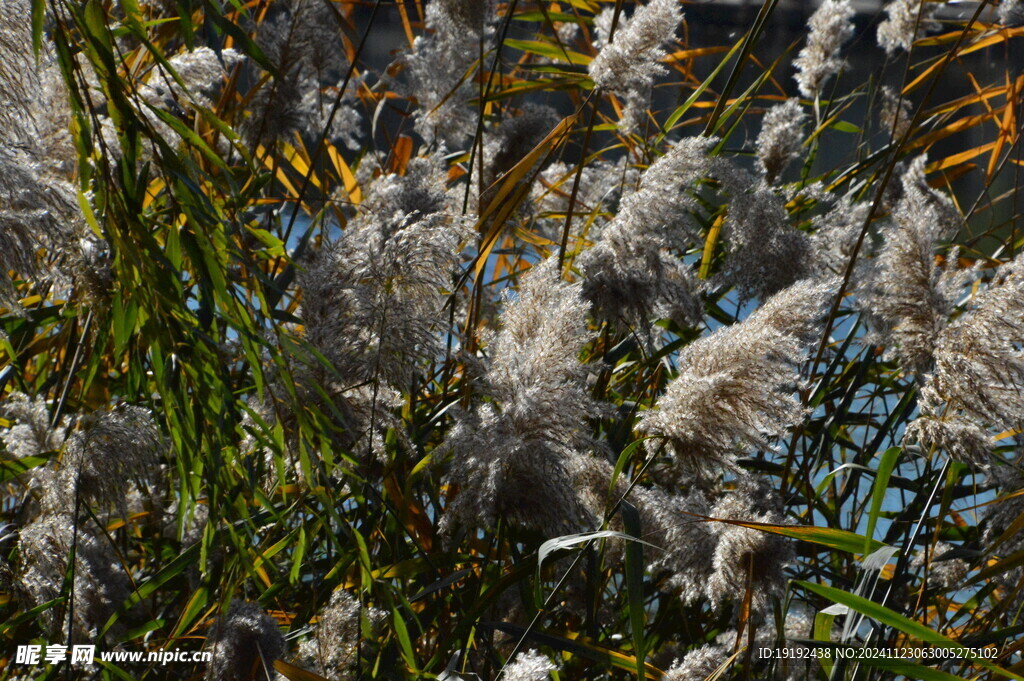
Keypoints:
pixel 957 159
pixel 293 673
pixel 709 247
pixel 355 194
pixel 500 207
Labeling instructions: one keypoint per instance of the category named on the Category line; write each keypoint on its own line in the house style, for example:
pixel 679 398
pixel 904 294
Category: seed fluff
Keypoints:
pixel 734 388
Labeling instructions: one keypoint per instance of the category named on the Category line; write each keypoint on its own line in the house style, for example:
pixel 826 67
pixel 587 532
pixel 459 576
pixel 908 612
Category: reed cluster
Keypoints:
pixel 467 339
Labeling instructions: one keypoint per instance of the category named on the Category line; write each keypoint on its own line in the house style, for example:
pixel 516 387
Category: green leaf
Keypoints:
pixel 10 469
pixel 196 604
pixel 885 467
pixel 623 461
pixel 275 247
pixel 635 581
pixel 88 214
pixel 899 622
pixel 844 126
pixel 189 136
pixel 692 99
pixel 833 538
pixel 112 668
pixel 300 552
pixel 132 12
pixel 550 51
pixel 823 632
pixel 440 584
pixel 95 21
pixel 365 565
pixel 176 567
pixel 124 318
pixel 402 633
pixel 570 540
pixel 29 615
pixel 544 16
pixel 248 45
pixel 745 100
pixel 38 17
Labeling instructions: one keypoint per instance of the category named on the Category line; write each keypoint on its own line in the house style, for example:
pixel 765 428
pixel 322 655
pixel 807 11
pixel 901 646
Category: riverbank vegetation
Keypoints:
pixel 471 339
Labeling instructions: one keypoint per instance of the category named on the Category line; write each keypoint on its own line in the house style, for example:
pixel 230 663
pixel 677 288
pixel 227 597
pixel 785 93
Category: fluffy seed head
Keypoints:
pixel 386 273
pixel 302 39
pixel 332 651
pixel 978 373
pixel 905 22
pixel 601 188
pixel 1011 12
pixel 959 436
pixel 734 388
pixel 747 558
pixel 303 35
pixel 780 139
pixel 835 238
pixel 999 518
pixel 630 61
pixel 944 571
pixel 686 543
pixel 372 299
pixel 698 664
pixel 1000 515
pixel 829 28
pixel 458 15
pixel 909 298
pixel 513 139
pixel 529 666
pixel 628 65
pixel 895 114
pixel 100 584
pixel 513 457
pixel 201 73
pixel 766 253
pixel 315 112
pixel 246 642
pixel 636 269
pixel 979 366
pixel 38 202
pixel 109 450
pixel 31 434
pixel 459 27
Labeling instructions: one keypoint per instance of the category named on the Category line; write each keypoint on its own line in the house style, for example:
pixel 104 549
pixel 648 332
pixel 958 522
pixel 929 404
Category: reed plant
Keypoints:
pixel 522 340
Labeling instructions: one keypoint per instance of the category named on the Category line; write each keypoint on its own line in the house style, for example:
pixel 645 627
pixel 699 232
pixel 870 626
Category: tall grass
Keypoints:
pixel 467 339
